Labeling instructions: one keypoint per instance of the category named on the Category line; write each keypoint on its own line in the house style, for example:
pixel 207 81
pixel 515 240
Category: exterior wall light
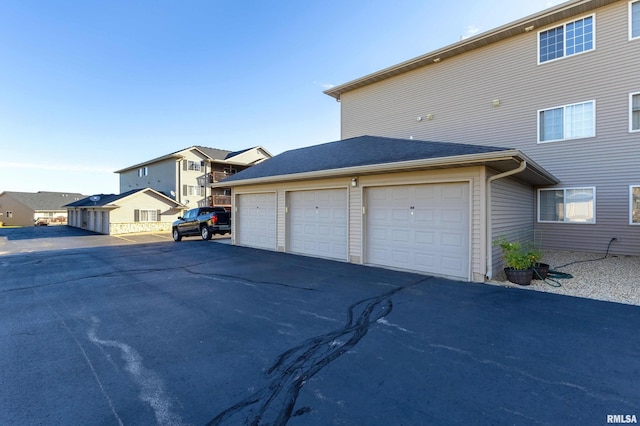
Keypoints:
pixel 354 182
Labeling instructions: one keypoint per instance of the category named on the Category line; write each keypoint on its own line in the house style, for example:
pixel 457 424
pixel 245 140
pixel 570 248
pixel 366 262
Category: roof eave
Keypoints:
pixel 499 160
pixel 146 163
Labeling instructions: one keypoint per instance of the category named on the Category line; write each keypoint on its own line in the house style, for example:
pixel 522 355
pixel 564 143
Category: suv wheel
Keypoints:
pixel 176 235
pixel 204 232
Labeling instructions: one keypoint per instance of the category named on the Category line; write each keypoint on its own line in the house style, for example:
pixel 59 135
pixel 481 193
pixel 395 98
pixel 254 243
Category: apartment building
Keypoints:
pixel 187 175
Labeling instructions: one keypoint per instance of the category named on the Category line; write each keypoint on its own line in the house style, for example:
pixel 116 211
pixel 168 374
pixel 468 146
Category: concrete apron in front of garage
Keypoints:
pixel 197 332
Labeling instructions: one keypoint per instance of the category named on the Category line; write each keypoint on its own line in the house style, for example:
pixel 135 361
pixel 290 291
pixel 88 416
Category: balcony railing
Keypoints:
pixel 217 176
pixel 221 200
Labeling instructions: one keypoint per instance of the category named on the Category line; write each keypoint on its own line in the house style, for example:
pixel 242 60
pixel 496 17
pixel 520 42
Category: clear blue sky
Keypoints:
pixel 88 87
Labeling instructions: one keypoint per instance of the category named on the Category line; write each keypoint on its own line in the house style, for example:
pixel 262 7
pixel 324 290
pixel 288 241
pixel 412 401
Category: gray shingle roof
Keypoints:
pixel 214 153
pixel 44 200
pixel 104 200
pixel 358 151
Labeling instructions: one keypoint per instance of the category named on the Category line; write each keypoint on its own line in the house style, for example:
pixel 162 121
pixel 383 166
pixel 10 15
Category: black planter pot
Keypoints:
pixel 540 271
pixel 519 276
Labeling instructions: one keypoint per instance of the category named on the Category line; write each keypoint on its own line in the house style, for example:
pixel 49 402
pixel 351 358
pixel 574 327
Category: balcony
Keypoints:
pixel 217 176
pixel 220 200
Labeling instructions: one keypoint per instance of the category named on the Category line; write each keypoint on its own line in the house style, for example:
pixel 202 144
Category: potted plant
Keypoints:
pixel 540 269
pixel 518 260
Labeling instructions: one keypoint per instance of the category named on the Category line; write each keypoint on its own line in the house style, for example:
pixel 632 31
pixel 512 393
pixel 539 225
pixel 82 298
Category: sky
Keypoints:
pixel 88 87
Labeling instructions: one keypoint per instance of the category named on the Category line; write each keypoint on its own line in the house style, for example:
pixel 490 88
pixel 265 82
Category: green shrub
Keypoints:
pixel 518 256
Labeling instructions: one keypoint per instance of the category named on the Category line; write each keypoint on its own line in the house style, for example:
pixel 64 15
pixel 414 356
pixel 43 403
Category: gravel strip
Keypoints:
pixel 610 278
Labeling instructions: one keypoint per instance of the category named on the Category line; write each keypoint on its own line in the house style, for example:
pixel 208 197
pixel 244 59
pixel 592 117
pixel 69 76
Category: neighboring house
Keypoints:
pixel 35 208
pixel 138 210
pixel 187 175
pixel 560 120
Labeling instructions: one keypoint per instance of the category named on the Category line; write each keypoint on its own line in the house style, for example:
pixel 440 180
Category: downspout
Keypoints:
pixel 520 168
pixel 179 176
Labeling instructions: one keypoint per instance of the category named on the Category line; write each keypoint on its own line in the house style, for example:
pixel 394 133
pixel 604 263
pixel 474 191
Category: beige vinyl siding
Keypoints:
pixel 512 210
pixel 142 201
pixel 161 177
pixel 281 236
pixel 459 93
pixel 21 214
pixel 190 178
pixel 355 219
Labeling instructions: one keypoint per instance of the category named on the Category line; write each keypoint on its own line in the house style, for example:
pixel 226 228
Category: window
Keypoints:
pixel 143 171
pixel 567 122
pixel 193 190
pixel 193 165
pixel 634 111
pixel 634 20
pixel 634 204
pixel 146 215
pixel 566 40
pixel 567 205
pixel 9 214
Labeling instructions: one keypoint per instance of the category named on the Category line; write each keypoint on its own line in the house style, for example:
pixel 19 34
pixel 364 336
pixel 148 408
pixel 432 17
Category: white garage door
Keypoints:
pixel 256 220
pixel 318 223
pixel 419 227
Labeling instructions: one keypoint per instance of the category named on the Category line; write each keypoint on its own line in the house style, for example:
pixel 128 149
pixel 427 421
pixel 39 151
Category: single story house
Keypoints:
pixel 138 210
pixel 429 207
pixel 35 208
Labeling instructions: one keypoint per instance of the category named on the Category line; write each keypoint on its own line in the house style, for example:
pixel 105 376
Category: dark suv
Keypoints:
pixel 203 221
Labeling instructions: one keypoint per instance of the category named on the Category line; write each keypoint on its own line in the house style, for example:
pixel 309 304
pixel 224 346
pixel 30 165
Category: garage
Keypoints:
pixel 256 220
pixel 419 227
pixel 406 204
pixel 317 223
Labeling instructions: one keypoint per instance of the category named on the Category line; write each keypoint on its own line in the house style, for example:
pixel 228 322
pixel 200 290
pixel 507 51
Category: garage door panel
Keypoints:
pixel 256 225
pixel 451 263
pixel 425 215
pixel 424 260
pixel 419 227
pixel 317 223
pixel 454 193
pixel 401 235
pixel 401 257
pixel 453 240
pixel 425 237
pixel 453 217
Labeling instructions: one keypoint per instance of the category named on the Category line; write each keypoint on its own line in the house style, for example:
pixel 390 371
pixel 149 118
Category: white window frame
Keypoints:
pixel 631 4
pixel 193 166
pixel 194 190
pixel 148 215
pixel 564 40
pixel 143 171
pixel 631 222
pixel 565 219
pixel 631 95
pixel 564 108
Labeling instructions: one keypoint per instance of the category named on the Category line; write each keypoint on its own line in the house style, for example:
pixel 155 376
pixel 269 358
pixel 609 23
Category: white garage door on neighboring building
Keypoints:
pixel 419 227
pixel 317 223
pixel 256 220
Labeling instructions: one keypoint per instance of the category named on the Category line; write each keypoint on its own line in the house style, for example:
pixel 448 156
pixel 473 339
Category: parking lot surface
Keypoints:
pixel 100 330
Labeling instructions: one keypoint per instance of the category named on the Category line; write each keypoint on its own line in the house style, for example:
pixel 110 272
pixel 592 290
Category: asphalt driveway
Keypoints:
pixel 157 332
